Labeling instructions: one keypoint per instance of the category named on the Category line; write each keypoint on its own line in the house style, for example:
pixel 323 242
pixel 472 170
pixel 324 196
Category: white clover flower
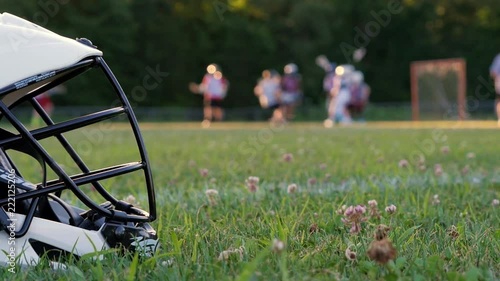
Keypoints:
pixel 278 246
pixel 391 209
pixel 292 188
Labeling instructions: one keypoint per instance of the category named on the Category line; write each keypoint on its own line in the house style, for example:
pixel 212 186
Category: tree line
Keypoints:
pixel 181 37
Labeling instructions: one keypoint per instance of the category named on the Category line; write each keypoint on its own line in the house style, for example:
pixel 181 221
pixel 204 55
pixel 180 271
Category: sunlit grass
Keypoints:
pixel 340 166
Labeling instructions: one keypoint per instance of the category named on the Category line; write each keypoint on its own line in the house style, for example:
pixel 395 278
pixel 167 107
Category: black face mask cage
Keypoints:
pixel 27 141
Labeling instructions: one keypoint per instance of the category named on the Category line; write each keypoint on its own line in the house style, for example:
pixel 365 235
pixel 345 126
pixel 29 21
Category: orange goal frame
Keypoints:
pixel 417 66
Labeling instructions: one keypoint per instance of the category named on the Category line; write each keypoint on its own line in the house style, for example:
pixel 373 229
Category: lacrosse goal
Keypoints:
pixel 438 89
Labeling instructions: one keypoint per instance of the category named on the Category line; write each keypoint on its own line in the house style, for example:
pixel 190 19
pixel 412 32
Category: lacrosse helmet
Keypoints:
pixel 357 77
pixel 291 68
pixel 35 218
pixel 344 70
pixel 212 68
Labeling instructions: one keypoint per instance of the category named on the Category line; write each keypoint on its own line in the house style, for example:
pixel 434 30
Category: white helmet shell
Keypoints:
pixel 24 50
pixel 34 61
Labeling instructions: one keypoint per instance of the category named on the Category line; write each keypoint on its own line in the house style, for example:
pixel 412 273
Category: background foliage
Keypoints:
pixel 181 37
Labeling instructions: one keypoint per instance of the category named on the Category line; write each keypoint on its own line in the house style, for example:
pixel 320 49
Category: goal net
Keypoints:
pixel 438 89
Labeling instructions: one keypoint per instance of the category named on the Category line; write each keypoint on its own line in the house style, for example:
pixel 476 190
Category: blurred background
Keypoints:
pixel 244 37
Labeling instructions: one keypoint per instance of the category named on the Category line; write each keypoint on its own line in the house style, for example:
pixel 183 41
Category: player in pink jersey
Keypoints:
pixel 214 89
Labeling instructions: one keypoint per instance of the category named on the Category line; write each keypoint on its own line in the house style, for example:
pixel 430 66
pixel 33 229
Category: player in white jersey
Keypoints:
pixel 340 97
pixel 268 91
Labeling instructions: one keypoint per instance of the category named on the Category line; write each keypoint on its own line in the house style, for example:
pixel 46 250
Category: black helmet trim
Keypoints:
pixel 40 83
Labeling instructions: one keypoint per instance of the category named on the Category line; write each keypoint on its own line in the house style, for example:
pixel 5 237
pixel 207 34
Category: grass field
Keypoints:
pixel 442 178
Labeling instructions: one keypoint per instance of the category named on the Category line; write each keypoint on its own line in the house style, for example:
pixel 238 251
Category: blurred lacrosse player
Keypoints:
pixel 268 91
pixel 214 89
pixel 328 82
pixel 291 90
pixel 45 101
pixel 340 97
pixel 360 93
pixel 495 74
pixel 329 68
